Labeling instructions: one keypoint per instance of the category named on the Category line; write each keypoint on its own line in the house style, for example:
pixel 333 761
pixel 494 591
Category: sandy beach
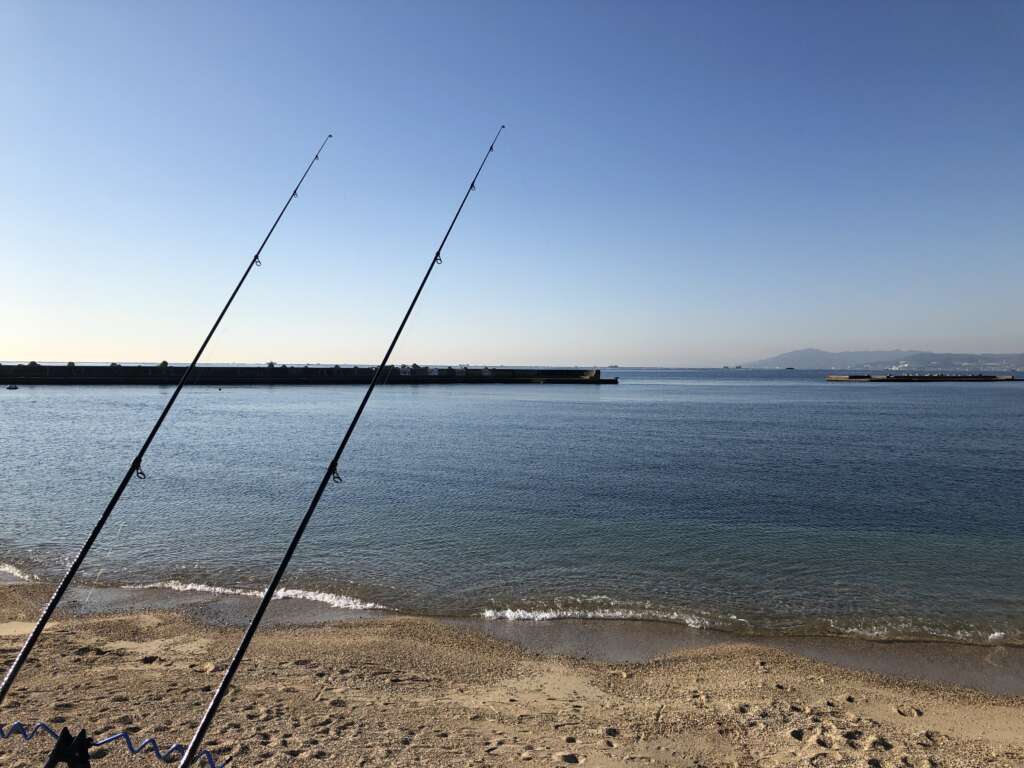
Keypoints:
pixel 413 691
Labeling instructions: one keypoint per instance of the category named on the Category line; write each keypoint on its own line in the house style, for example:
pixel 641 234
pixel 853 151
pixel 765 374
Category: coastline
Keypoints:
pixel 384 689
pixel 992 668
pixel 588 610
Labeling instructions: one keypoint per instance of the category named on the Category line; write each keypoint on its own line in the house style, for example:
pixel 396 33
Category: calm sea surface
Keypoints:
pixel 748 500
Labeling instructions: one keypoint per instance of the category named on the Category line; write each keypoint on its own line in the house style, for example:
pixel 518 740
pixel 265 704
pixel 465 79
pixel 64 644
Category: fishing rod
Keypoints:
pixel 135 469
pixel 331 473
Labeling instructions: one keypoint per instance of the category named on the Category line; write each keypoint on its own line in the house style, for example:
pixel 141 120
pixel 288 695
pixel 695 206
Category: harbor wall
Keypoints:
pixel 919 377
pixel 230 375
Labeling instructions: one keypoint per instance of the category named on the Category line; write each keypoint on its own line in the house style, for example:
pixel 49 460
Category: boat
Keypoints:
pixel 12 386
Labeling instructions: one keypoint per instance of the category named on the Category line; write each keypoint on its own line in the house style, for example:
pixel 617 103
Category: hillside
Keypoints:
pixel 819 359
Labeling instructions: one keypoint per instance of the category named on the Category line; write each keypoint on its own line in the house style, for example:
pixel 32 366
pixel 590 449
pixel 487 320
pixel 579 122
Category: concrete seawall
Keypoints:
pixel 168 375
pixel 919 377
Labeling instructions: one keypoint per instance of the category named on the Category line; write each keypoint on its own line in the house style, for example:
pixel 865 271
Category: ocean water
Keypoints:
pixel 751 501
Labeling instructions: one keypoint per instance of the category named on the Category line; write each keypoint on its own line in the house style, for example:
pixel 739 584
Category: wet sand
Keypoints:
pixel 393 690
pixel 993 669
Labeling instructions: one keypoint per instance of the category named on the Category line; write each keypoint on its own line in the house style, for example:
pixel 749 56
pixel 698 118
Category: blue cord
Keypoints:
pixel 169 755
pixel 22 730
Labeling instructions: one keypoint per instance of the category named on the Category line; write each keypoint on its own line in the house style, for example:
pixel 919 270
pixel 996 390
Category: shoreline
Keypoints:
pixel 397 690
pixel 918 631
pixel 992 668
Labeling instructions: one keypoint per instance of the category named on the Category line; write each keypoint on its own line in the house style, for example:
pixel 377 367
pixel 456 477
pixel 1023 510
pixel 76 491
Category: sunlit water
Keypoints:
pixel 751 501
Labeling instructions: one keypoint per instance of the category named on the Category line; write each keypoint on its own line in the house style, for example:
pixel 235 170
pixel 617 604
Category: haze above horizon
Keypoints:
pixel 679 185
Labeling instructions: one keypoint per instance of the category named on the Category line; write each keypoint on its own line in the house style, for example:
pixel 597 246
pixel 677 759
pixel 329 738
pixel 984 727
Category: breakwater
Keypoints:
pixel 233 375
pixel 920 377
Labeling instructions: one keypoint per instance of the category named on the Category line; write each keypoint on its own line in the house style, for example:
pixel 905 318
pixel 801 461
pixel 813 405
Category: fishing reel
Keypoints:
pixel 72 751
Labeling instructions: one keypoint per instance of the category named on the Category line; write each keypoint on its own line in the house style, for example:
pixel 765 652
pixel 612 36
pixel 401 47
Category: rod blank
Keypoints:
pixel 331 473
pixel 135 469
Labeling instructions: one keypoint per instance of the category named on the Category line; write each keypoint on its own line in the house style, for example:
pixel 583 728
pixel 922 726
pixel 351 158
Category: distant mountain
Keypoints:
pixel 819 359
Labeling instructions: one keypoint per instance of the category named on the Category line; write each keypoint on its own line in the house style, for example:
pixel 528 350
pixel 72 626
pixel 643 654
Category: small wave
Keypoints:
pixel 551 614
pixel 880 631
pixel 20 575
pixel 335 601
pixel 909 630
pixel 328 598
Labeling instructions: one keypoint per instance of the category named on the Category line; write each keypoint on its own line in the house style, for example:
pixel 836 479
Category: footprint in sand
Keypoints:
pixel 929 739
pixel 852 737
pixel 881 743
pixel 909 711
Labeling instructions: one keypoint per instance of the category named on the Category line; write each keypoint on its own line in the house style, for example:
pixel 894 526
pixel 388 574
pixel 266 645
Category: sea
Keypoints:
pixel 752 502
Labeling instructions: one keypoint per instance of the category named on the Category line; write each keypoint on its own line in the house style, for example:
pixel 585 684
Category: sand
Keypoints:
pixel 411 691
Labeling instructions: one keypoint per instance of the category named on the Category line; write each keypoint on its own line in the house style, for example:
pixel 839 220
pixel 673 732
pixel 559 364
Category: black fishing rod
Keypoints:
pixel 331 473
pixel 135 470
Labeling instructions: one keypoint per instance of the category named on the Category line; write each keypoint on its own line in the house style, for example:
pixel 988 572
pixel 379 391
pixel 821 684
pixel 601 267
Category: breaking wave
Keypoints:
pixel 911 630
pixel 624 614
pixel 328 598
pixel 895 629
pixel 16 572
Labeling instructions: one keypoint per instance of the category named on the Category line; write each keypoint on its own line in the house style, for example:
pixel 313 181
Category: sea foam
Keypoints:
pixel 911 630
pixel 16 572
pixel 328 598
pixel 623 614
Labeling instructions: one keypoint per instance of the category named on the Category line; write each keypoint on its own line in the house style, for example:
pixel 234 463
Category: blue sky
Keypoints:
pixel 679 184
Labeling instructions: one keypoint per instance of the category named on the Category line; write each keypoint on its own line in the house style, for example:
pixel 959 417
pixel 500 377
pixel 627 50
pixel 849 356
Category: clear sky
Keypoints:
pixel 679 183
